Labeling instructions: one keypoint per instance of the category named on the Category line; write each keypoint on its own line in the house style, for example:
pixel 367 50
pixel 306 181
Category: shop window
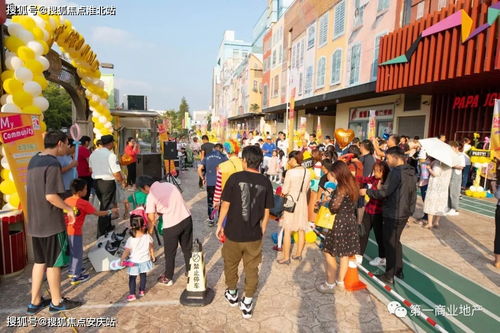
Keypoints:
pixel 412 102
pixel 339 20
pixel 311 35
pixel 320 80
pixel 336 66
pixel 323 30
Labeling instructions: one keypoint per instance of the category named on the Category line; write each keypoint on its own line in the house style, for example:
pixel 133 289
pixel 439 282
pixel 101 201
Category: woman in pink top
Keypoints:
pixel 132 149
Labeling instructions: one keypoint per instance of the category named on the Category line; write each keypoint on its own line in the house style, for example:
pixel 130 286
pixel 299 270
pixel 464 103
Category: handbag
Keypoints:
pixel 126 159
pixel 289 204
pixel 325 219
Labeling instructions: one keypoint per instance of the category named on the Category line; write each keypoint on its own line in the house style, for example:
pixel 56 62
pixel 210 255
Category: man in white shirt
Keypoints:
pixel 283 143
pixel 105 170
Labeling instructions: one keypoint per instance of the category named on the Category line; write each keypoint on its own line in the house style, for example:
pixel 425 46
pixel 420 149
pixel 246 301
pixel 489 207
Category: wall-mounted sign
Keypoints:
pixel 475 101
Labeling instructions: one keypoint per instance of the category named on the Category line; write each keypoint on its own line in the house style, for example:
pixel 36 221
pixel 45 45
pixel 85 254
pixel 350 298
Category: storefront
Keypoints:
pixel 384 120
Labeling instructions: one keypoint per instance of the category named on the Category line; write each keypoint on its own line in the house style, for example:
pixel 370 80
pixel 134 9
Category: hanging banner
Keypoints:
pixel 495 130
pixel 21 137
pixel 372 124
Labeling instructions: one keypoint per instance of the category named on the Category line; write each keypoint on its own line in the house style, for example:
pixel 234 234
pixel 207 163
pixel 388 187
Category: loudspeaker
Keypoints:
pixel 170 150
pixel 109 247
pixel 149 165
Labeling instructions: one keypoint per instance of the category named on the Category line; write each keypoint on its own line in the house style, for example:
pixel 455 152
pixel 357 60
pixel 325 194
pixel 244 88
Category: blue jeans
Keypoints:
pixel 465 176
pixel 76 251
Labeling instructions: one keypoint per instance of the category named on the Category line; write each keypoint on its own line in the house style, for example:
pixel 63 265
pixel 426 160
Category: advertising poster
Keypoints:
pixel 21 137
pixel 372 124
pixel 495 130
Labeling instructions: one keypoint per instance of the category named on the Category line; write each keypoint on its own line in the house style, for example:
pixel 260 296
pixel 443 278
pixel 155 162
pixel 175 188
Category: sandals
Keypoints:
pixel 283 262
pixel 299 258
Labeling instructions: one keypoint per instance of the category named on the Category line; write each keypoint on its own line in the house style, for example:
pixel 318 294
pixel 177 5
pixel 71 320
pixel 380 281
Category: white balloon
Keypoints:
pixel 10 99
pixel 109 125
pixel 480 189
pixel 36 47
pixel 3 151
pixel 39 22
pixel 52 22
pixel 103 120
pixel 46 35
pixel 41 102
pixel 16 62
pixel 23 74
pixel 33 88
pixel 14 28
pixel 3 99
pixel 6 197
pixel 45 63
pixel 101 84
pixel 4 163
pixel 25 35
pixel 11 108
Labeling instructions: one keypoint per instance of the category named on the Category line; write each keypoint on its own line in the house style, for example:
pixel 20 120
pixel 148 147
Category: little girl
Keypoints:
pixel 273 167
pixel 141 251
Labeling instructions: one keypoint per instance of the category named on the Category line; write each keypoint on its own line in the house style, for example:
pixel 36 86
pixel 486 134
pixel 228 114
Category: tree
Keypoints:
pixel 59 113
pixel 176 118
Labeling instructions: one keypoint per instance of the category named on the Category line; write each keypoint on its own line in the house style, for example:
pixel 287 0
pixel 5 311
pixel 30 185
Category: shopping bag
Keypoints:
pixel 324 219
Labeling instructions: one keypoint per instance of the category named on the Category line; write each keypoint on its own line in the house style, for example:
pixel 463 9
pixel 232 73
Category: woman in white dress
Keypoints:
pixel 436 199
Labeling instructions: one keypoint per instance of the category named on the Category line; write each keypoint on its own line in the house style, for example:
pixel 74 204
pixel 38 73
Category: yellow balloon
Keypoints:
pixel 95 119
pixel 12 43
pixel 5 173
pixel 12 85
pixel 45 46
pixel 43 126
pixel 22 98
pixel 14 200
pixel 25 21
pixel 8 74
pixel 41 80
pixel 38 33
pixel 7 187
pixel 34 65
pixel 32 109
pixel 25 53
pixel 295 236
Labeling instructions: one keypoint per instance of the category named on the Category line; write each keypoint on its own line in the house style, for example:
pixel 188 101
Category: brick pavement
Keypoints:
pixel 286 302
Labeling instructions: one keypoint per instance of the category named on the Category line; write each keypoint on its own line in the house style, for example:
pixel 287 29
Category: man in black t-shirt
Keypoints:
pixel 46 224
pixel 206 148
pixel 246 200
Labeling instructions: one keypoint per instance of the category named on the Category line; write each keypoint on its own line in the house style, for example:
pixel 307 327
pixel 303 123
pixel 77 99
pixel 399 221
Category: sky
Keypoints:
pixel 164 49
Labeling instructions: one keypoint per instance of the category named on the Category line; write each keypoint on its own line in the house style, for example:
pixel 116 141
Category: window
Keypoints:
pixel 339 20
pixel 420 10
pixel 276 86
pixel 280 57
pixel 442 4
pixel 302 52
pixel 311 34
pixel 383 5
pixel 358 13
pixel 375 58
pixel 264 95
pixel 320 79
pixel 354 65
pixel 255 86
pixel 274 58
pixel 309 79
pixel 301 83
pixel 236 53
pixel 323 30
pixel 336 65
pixel 244 54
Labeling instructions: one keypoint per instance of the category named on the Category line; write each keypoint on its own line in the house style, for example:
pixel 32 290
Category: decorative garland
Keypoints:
pixel 30 38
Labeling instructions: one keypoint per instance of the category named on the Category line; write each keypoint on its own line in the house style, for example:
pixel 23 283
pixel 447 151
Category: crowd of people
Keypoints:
pixel 368 184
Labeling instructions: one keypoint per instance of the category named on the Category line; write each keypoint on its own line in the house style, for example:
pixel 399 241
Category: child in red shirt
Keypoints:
pixel 81 208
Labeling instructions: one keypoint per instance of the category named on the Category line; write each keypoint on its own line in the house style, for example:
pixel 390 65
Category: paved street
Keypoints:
pixel 287 300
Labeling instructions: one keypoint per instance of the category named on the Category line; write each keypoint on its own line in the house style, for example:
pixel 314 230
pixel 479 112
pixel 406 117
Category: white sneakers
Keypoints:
pixel 452 212
pixel 378 262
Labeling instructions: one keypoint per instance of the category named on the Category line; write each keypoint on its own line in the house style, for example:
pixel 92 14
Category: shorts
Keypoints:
pixel 52 251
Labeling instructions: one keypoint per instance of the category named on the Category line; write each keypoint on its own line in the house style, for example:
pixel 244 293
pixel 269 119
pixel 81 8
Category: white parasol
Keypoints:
pixel 440 150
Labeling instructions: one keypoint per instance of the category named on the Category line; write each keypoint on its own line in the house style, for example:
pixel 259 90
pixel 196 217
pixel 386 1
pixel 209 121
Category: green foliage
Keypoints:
pixel 254 107
pixel 58 115
pixel 176 118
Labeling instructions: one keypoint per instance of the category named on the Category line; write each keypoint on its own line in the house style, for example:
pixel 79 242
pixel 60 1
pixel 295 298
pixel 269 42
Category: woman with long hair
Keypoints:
pixel 342 240
pixel 436 198
pixel 295 188
pixel 132 149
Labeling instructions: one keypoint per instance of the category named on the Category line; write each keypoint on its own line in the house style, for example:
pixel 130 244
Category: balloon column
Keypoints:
pixel 30 38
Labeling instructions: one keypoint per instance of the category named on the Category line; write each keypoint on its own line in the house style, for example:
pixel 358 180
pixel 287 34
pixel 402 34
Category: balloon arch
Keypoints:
pixel 30 39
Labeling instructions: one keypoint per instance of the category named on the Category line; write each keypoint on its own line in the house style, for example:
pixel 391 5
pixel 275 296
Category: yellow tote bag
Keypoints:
pixel 324 218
